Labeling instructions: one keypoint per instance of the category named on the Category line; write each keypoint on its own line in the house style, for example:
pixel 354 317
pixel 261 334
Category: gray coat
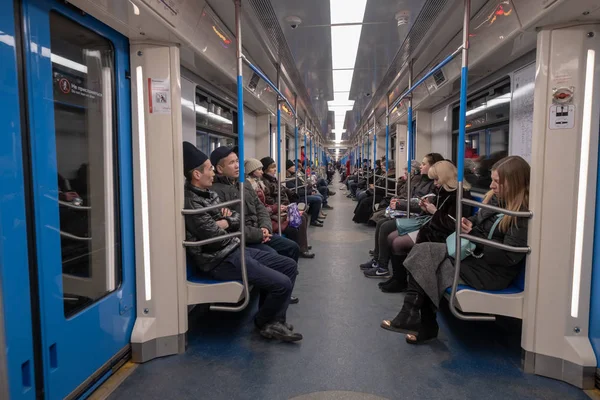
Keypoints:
pixel 204 226
pixel 256 217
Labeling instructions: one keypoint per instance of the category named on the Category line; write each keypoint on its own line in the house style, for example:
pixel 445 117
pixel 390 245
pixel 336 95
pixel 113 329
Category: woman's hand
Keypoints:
pixel 466 226
pixel 430 208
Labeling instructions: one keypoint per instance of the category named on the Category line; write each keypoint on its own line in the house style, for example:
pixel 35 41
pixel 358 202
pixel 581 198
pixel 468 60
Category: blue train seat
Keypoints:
pixel 507 302
pixel 203 290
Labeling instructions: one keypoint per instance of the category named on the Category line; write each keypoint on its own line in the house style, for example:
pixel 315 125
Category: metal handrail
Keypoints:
pixel 73 206
pixel 210 208
pixel 74 237
pixel 211 240
pixel 495 244
pixel 520 214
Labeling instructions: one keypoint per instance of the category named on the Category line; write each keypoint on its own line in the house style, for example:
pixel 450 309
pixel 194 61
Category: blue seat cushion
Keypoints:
pixel 516 286
pixel 195 277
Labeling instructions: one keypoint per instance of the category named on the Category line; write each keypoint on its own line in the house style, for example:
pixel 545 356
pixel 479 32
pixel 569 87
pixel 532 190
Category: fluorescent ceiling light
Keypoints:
pixel 65 62
pixel 347 11
pixel 344 48
pixel 342 80
pixel 344 45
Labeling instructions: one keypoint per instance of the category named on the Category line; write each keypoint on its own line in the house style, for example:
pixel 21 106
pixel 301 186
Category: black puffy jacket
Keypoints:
pixel 256 217
pixel 204 226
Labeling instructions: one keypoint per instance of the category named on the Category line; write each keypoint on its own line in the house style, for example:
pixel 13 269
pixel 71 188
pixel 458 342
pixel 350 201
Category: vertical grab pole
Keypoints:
pixel 461 148
pixel 306 124
pixel 409 139
pixel 278 154
pixel 374 158
pixel 296 141
pixel 240 107
pixel 387 140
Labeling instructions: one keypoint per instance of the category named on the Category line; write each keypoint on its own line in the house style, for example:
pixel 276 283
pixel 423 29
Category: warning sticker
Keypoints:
pixel 159 96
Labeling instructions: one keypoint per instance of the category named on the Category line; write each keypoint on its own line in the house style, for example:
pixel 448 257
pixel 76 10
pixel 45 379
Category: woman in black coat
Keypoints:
pixel 442 223
pixel 489 268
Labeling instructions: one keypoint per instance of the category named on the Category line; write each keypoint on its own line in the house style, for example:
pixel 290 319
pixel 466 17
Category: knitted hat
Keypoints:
pixel 289 164
pixel 192 157
pixel 251 165
pixel 267 162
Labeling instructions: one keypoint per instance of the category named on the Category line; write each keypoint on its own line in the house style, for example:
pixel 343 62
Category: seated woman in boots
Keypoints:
pixel 431 270
pixel 420 186
pixel 442 210
pixel 263 176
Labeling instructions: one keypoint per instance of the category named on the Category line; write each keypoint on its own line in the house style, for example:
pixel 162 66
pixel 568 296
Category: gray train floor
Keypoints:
pixel 344 354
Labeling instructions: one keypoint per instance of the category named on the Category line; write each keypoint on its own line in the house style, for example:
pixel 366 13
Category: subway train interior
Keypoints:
pixel 144 144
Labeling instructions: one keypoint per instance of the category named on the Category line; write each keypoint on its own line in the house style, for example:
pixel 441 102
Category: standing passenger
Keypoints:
pixel 273 274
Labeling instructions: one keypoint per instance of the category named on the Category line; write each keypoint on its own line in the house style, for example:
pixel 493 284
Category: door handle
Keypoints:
pixel 26 376
pixel 53 356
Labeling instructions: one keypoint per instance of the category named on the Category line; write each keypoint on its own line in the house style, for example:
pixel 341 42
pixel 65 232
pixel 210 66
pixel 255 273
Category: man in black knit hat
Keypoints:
pixel 273 274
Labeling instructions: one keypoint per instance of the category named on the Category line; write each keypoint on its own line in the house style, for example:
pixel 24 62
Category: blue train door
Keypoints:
pixel 75 155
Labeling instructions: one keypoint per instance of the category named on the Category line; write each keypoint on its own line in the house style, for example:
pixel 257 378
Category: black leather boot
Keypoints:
pixel 398 282
pixel 429 327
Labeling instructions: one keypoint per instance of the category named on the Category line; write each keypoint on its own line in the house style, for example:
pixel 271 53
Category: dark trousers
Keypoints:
pixel 300 234
pixel 274 275
pixel 280 245
pixel 382 251
pixel 314 207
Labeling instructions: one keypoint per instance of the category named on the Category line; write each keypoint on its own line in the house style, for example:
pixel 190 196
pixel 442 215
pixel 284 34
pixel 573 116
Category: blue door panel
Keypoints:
pixel 14 269
pixel 74 348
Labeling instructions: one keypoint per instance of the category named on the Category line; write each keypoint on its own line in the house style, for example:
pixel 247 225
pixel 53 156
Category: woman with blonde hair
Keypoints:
pixel 442 223
pixel 431 270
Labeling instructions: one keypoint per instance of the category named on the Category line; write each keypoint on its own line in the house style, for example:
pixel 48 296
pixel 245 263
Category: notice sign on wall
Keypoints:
pixel 159 96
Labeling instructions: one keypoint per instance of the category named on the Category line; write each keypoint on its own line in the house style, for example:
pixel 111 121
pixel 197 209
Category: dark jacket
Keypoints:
pixel 421 185
pixel 442 222
pixel 256 216
pixel 204 226
pixel 381 183
pixel 497 268
pixel 291 184
pixel 271 183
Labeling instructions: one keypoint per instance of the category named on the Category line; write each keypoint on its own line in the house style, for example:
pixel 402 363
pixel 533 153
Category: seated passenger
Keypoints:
pixel 258 227
pixel 431 270
pixel 272 273
pixel 364 208
pixel 439 227
pixel 254 170
pixel 315 202
pixel 421 186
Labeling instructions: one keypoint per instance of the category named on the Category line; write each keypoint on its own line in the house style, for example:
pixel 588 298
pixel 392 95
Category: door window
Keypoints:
pixel 84 115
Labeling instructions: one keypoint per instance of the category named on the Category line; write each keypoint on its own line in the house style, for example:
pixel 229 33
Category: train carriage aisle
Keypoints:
pixel 344 354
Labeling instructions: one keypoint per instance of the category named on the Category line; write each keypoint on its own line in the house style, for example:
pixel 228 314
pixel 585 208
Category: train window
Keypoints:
pixel 85 129
pixel 487 133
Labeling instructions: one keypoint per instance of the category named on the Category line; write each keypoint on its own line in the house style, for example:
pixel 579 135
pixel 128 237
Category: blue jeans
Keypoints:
pixel 278 244
pixel 273 274
pixel 314 203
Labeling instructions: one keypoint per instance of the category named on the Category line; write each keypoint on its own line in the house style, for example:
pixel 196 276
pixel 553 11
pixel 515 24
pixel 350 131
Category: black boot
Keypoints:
pixel 398 283
pixel 429 327
pixel 408 319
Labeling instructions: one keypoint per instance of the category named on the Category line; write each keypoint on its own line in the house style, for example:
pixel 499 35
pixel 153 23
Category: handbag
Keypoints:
pixel 467 247
pixel 408 225
pixel 294 218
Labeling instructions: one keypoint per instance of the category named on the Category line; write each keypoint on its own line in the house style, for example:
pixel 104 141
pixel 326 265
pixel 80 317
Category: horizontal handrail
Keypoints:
pixel 290 179
pixel 74 237
pixel 268 81
pixel 71 205
pixel 497 245
pixel 522 214
pixel 211 240
pixel 210 208
pixel 425 77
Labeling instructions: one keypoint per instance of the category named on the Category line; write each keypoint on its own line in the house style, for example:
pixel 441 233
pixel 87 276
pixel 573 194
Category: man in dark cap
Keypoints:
pixel 273 274
pixel 258 225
